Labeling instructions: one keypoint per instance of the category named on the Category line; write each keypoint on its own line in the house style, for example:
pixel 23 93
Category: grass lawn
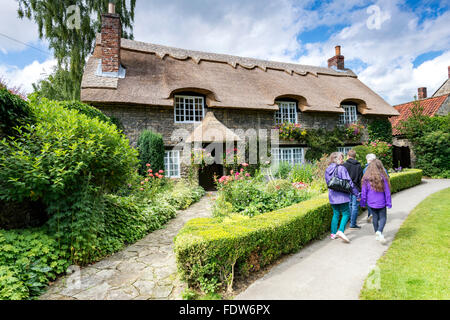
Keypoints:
pixel 417 265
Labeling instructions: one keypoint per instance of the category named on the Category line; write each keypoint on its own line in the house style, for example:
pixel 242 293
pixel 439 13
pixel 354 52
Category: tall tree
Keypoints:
pixel 70 27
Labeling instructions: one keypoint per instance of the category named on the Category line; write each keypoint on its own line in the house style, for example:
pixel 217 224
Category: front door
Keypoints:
pixel 207 174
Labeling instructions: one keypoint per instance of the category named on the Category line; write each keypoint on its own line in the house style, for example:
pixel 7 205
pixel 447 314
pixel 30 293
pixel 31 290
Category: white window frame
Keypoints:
pixel 172 163
pixel 187 108
pixel 287 154
pixel 345 150
pixel 287 112
pixel 350 116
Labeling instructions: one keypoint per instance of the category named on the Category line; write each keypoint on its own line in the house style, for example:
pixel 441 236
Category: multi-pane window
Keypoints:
pixel 287 112
pixel 350 115
pixel 291 155
pixel 189 109
pixel 344 150
pixel 172 164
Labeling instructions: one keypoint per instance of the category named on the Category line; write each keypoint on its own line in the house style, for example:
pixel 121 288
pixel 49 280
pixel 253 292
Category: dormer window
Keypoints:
pixel 350 115
pixel 287 112
pixel 189 109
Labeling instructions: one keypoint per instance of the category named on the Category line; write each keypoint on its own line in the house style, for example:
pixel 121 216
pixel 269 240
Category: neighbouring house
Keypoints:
pixel 164 89
pixel 438 104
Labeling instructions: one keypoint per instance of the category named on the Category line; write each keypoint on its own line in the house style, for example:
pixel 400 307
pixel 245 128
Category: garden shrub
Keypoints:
pixel 66 160
pixel 89 111
pixel 380 129
pixel 303 173
pixel 14 112
pixel 29 259
pixel 209 251
pixel 433 154
pixel 56 156
pixel 381 149
pixel 151 151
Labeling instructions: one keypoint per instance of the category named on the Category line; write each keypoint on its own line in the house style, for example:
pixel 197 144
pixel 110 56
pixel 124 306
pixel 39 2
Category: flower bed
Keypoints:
pixel 210 250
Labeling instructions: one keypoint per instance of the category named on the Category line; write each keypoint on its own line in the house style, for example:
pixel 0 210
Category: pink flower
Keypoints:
pixel 161 171
pixel 142 182
pixel 146 180
pixel 160 177
pixel 247 175
pixel 148 165
pixel 151 175
pixel 142 189
pixel 245 165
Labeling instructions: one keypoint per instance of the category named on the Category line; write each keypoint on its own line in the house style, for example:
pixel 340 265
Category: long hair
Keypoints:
pixel 335 156
pixel 382 171
pixel 374 177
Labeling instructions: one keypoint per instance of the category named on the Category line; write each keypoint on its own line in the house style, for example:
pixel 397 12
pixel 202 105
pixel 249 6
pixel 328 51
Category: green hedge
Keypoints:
pixel 209 251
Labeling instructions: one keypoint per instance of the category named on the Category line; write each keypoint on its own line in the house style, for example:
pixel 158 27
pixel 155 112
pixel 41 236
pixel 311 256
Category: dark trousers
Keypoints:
pixel 379 218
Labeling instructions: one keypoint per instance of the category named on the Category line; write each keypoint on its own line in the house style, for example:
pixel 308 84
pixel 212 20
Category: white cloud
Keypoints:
pixel 388 53
pixel 22 30
pixel 24 78
pixel 261 29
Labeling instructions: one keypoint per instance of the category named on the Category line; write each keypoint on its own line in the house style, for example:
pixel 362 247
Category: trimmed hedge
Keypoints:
pixel 209 251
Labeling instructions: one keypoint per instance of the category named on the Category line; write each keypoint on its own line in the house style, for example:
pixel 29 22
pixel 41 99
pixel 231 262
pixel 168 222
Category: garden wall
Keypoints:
pixel 209 251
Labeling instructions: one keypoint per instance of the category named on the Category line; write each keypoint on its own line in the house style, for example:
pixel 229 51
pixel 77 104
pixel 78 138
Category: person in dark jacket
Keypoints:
pixel 356 173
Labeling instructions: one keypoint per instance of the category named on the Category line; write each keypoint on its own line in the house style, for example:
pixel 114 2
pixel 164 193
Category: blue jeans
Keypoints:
pixel 354 210
pixel 379 219
pixel 339 209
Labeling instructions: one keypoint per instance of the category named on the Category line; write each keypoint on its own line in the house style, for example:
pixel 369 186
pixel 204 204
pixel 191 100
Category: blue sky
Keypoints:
pixel 394 46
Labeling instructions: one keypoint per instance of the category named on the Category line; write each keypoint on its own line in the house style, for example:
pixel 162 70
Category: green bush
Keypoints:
pixel 433 154
pixel 380 129
pixel 151 151
pixel 209 251
pixel 14 112
pixel 29 259
pixel 381 149
pixel 303 173
pixel 56 156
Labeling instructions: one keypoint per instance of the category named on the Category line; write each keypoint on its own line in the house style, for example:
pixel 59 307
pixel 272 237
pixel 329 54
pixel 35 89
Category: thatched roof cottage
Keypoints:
pixel 149 86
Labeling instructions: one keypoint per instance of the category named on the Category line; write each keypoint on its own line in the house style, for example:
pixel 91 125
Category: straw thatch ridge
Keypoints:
pixel 155 73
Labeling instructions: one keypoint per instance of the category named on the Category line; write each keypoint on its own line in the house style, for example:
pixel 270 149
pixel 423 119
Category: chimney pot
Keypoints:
pixel 338 60
pixel 422 93
pixel 338 50
pixel 111 8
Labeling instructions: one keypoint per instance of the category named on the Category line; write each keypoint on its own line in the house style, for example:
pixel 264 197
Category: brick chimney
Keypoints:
pixel 111 37
pixel 422 93
pixel 338 60
pixel 449 72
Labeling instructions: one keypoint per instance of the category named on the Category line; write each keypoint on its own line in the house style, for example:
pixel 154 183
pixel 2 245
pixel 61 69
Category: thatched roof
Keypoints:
pixel 212 130
pixel 155 73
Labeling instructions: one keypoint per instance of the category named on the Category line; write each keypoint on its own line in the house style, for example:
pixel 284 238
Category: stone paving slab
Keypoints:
pixel 145 270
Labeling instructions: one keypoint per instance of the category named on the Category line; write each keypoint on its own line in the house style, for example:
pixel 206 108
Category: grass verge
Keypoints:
pixel 417 265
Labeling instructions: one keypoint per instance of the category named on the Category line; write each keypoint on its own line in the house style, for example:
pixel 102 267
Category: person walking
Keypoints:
pixel 369 158
pixel 376 195
pixel 356 173
pixel 339 200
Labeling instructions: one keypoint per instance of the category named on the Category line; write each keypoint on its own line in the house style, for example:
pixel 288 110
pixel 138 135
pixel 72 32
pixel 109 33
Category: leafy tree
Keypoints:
pixel 430 138
pixel 72 40
pixel 151 151
pixel 58 86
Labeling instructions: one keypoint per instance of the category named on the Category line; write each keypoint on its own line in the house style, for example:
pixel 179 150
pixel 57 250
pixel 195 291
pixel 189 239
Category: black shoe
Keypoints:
pixel 355 227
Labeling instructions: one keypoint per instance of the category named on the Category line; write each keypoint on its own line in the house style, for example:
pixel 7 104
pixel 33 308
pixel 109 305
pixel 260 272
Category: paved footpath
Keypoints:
pixel 332 270
pixel 145 270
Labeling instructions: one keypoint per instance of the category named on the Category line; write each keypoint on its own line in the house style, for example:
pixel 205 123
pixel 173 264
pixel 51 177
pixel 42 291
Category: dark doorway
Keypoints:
pixel 402 157
pixel 206 176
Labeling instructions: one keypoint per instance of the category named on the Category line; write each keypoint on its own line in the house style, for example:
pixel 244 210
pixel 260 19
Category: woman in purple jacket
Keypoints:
pixel 376 194
pixel 340 201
